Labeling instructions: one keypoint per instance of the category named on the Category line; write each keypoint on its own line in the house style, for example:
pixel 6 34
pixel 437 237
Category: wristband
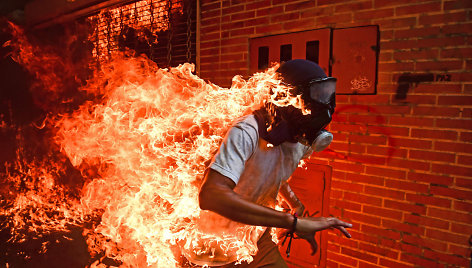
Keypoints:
pixel 290 234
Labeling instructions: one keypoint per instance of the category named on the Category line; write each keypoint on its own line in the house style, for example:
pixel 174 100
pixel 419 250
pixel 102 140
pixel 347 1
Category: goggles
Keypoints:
pixel 322 89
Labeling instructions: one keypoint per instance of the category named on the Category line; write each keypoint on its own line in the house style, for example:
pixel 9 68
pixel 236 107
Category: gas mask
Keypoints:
pixel 319 99
pixel 278 124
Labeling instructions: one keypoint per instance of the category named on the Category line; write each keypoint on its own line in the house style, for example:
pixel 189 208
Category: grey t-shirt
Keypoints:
pixel 257 168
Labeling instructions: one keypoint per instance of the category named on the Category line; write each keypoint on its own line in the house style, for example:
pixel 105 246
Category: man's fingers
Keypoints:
pixel 314 245
pixel 344 231
pixel 341 225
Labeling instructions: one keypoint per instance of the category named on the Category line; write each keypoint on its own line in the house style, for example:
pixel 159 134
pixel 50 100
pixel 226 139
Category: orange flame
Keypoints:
pixel 141 145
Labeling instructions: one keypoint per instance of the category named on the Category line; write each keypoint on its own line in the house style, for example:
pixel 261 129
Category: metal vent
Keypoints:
pixel 163 30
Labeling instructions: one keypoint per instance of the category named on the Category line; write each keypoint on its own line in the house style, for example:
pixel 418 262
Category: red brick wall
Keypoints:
pixel 403 168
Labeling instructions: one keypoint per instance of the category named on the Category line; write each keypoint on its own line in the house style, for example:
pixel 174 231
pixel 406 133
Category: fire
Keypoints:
pixel 141 142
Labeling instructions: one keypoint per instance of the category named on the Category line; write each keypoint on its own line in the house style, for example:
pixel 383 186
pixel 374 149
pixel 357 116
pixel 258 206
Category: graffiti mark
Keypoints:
pixel 407 80
pixel 360 83
pixel 379 120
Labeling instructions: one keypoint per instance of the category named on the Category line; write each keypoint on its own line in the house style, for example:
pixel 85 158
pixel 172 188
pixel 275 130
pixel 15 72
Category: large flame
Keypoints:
pixel 141 143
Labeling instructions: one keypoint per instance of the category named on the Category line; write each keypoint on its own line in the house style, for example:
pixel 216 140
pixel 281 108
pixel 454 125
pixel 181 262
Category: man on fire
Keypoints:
pixel 257 157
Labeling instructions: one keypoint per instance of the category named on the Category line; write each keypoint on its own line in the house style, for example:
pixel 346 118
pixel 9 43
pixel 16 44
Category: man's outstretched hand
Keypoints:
pixel 307 227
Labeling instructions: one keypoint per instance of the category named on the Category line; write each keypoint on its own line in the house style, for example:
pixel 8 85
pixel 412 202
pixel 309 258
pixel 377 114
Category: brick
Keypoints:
pixel 389 130
pixel 397 66
pixel 457 53
pixel 412 249
pixel 457 147
pixel 256 22
pixel 366 179
pixel 447 258
pixel 417 32
pixel 379 249
pixel 336 184
pixel 341 258
pixel 455 100
pixel 406 257
pixel 442 18
pixel 414 9
pixel 269 11
pixel 359 255
pixel 393 263
pixel 467 113
pixel 441 42
pixel 405 185
pixel 339 126
pixel 363 199
pixel 411 121
pixel 451 192
pixel 425 242
pixel 349 7
pixel 381 232
pixel 466 136
pixel 373 14
pixel 398 195
pixel 257 5
pixel 299 24
pixel 269 29
pixel 388 151
pixel 316 12
pixel 386 3
pixel 410 143
pixel 438 88
pixel 390 23
pixel 456 29
pixel 452 169
pixel 346 205
pixel 445 180
pixel 243 15
pixel 353 167
pixel 403 227
pixel 427 221
pixel 337 18
pixel 462 4
pixel 463 205
pixel 459 250
pixel 416 54
pixel 436 134
pixel 464 182
pixel 409 164
pixel 450 214
pixel 285 17
pixel 454 123
pixel 407 207
pixel 300 6
pixel 432 155
pixel 421 198
pixel 382 212
pixel 351 216
pixel 244 32
pixel 386 172
pixel 435 65
pixel 370 139
pixel 436 111
pixel 367 265
pixel 447 236
pixel 461 228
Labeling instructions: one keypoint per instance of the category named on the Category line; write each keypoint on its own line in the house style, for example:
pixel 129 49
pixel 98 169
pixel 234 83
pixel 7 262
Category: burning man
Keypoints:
pixel 255 160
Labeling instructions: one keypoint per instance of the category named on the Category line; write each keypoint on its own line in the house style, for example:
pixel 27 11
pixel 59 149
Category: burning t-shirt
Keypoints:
pixel 258 169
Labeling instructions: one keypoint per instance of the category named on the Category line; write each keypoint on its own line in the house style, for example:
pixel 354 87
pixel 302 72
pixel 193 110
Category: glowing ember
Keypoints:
pixel 141 144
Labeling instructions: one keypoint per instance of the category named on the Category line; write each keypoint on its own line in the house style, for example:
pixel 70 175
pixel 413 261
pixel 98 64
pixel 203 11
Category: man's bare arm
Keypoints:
pixel 217 195
pixel 291 198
